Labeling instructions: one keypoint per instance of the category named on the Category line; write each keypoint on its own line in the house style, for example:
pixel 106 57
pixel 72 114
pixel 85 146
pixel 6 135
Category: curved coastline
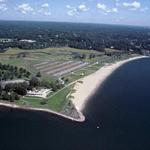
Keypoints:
pixel 89 84
pixel 14 106
pixel 84 89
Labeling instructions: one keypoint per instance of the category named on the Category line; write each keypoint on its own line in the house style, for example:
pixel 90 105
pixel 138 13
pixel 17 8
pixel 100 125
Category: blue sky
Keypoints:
pixel 128 12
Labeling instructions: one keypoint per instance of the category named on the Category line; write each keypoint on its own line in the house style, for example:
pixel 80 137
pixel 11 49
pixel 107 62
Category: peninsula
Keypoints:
pixel 56 85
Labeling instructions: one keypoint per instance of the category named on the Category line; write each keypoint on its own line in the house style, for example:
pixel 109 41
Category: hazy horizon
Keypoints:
pixel 75 23
pixel 116 12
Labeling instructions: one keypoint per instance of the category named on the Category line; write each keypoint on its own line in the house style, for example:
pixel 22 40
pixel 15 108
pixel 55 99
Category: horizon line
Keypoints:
pixel 75 22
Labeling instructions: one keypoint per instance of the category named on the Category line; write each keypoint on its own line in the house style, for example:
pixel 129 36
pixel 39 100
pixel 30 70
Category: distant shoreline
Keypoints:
pixel 83 90
pixel 86 87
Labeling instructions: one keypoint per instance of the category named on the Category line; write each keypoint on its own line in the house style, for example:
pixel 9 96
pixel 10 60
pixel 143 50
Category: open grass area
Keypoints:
pixel 30 59
pixel 55 103
pixel 27 58
pixel 30 101
pixel 103 60
pixel 81 73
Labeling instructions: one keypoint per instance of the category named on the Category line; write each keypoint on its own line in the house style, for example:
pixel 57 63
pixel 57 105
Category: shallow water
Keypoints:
pixel 120 109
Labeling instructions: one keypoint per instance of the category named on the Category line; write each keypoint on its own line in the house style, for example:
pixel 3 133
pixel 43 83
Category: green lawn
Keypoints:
pixel 55 103
pixel 58 101
pixel 31 101
pixel 81 73
pixel 36 56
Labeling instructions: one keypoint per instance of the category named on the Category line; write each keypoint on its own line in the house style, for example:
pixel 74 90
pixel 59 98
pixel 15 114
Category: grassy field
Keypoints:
pixel 103 60
pixel 28 58
pixel 55 103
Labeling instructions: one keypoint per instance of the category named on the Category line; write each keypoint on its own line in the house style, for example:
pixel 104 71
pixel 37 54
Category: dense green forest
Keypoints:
pixel 76 35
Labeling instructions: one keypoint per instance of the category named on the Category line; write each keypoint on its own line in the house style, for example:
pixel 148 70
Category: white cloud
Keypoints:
pixel 105 9
pixel 45 9
pixel 134 5
pixel 45 5
pixel 115 10
pixel 82 8
pixel 68 6
pixel 72 12
pixel 25 8
pixel 3 7
pixel 76 10
pixel 112 10
pixel 102 6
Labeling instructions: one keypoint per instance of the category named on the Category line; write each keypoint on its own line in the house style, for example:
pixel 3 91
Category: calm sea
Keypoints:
pixel 118 118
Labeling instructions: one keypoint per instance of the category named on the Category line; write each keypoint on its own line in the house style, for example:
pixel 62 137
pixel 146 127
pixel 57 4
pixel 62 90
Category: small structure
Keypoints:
pixel 61 81
pixel 42 93
pixel 27 41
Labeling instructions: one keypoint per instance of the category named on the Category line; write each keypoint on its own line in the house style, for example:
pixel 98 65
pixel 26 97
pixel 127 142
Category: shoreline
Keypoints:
pixel 87 86
pixel 82 91
pixel 14 106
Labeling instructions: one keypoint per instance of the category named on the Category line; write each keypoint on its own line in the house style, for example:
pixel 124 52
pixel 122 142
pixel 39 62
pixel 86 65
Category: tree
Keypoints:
pixel 5 95
pixel 66 80
pixel 53 86
pixel 83 56
pixel 5 76
pixel 21 90
pixel 14 96
pixel 27 74
pixel 34 82
pixel 16 68
pixel 43 102
pixel 45 83
pixel 9 87
pixel 21 70
pixel 91 56
pixel 38 74
pixel 1 89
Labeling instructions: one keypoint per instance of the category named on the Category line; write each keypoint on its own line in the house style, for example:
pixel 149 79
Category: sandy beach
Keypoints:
pixel 88 85
pixel 84 89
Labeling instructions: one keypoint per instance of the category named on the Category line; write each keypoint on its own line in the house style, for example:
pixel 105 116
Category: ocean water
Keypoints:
pixel 117 118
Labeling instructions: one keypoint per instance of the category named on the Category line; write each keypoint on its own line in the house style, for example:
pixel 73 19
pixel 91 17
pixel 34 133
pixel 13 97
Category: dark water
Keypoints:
pixel 121 108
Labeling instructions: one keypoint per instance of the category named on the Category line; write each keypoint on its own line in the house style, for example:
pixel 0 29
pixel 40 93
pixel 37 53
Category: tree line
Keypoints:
pixel 82 36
